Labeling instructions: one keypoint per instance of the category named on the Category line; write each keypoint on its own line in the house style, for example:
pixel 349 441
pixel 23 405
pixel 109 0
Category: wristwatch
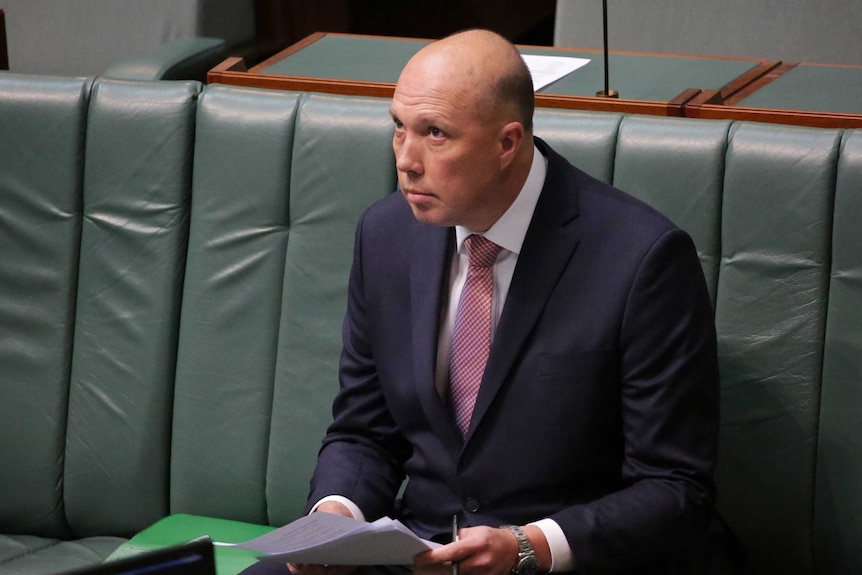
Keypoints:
pixel 527 563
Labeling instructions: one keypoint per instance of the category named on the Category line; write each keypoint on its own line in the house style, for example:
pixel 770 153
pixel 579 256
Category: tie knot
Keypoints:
pixel 482 252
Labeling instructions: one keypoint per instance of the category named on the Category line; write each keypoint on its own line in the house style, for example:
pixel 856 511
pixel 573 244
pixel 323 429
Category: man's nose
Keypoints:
pixel 408 155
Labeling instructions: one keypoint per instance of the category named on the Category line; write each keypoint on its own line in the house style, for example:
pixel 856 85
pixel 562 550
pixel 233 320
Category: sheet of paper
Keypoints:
pixel 327 539
pixel 548 69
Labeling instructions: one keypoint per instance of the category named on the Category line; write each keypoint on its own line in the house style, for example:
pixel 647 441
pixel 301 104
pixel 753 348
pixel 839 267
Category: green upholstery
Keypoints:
pixel 330 187
pixel 229 326
pixel 180 59
pixel 770 315
pixel 246 348
pixel 27 555
pixel 837 519
pixel 93 234
pixel 42 129
pixel 173 266
pixel 137 181
pixel 591 138
pixel 678 167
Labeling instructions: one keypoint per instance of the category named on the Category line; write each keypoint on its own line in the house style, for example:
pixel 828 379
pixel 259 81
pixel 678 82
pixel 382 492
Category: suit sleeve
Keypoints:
pixel 670 402
pixel 362 453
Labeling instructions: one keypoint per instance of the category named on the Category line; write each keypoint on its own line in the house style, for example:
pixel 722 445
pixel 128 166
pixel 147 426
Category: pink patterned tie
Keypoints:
pixel 471 338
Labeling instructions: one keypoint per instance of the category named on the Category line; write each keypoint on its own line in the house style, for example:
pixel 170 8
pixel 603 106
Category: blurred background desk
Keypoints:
pixel 800 94
pixel 369 65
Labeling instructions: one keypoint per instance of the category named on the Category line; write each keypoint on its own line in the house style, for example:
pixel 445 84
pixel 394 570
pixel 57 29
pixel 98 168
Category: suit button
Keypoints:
pixel 472 504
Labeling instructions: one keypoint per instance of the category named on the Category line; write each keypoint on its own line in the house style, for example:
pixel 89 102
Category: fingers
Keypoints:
pixel 479 550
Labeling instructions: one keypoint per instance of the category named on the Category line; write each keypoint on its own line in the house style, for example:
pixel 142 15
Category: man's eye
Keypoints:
pixel 398 124
pixel 435 132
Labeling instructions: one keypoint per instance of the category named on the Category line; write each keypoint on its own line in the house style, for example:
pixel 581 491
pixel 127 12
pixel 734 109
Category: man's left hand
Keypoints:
pixel 482 550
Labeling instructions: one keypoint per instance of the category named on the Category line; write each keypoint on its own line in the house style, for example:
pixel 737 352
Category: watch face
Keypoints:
pixel 528 565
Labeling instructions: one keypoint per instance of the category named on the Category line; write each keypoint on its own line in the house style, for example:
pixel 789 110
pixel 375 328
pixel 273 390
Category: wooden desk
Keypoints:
pixel 369 65
pixel 792 93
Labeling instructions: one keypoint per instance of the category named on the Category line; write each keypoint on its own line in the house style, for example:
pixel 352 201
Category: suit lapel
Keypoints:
pixel 548 247
pixel 429 272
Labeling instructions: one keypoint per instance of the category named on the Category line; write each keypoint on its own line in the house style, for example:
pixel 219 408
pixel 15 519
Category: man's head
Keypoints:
pixel 463 111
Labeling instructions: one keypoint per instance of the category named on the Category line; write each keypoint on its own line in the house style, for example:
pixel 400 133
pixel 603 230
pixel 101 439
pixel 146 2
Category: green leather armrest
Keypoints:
pixel 182 59
pixel 182 528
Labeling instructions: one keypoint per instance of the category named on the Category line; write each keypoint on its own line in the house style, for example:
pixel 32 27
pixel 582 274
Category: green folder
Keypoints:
pixel 182 528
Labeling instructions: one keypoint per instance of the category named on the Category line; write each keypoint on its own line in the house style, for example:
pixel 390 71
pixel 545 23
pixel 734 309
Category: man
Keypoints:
pixel 593 429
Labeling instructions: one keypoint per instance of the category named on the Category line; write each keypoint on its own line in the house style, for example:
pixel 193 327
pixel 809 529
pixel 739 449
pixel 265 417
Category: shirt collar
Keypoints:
pixel 510 230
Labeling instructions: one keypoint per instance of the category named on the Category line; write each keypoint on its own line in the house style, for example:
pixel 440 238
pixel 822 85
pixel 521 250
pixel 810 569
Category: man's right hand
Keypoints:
pixel 335 508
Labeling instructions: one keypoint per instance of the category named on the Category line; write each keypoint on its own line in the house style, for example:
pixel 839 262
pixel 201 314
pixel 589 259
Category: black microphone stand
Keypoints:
pixel 607 92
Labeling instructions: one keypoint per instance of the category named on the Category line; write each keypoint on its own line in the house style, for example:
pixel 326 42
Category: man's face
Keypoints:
pixel 446 154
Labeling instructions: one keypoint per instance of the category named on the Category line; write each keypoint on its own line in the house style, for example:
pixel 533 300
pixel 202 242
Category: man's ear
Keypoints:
pixel 511 138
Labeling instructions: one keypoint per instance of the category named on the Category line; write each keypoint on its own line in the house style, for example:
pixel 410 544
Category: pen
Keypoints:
pixel 454 538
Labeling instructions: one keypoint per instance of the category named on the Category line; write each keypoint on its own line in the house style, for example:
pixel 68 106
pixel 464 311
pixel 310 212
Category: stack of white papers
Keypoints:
pixel 328 539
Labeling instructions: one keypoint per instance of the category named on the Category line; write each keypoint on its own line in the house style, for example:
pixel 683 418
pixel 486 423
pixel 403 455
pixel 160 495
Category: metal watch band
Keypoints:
pixel 527 562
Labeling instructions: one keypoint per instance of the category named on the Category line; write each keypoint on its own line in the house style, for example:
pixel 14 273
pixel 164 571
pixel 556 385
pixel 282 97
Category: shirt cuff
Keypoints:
pixel 562 558
pixel 351 506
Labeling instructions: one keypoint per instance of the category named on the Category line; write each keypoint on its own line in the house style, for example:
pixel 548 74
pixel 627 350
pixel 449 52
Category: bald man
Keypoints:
pixel 587 438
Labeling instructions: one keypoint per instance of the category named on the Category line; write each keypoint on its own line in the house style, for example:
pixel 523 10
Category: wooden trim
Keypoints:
pixel 4 51
pixel 767 78
pixel 234 64
pixel 710 105
pixel 693 102
pixel 302 83
pixel 745 80
pixel 789 117
pixel 222 75
pixel 234 73
pixel 685 97
pixel 706 97
pixel 597 104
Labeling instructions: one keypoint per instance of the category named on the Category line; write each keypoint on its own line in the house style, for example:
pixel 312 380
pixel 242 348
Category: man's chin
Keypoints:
pixel 428 215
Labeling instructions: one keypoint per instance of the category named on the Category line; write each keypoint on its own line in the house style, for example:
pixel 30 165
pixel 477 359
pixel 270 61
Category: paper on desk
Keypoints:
pixel 548 69
pixel 328 539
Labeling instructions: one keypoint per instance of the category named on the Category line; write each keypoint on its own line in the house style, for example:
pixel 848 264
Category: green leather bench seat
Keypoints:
pixel 42 123
pixel 134 233
pixel 771 314
pixel 264 294
pixel 173 268
pixel 93 227
pixel 837 517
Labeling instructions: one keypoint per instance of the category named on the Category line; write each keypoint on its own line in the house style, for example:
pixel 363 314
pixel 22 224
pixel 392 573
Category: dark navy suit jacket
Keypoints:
pixel 599 404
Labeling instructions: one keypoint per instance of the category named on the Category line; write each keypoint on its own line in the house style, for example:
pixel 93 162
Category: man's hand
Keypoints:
pixel 482 550
pixel 335 508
